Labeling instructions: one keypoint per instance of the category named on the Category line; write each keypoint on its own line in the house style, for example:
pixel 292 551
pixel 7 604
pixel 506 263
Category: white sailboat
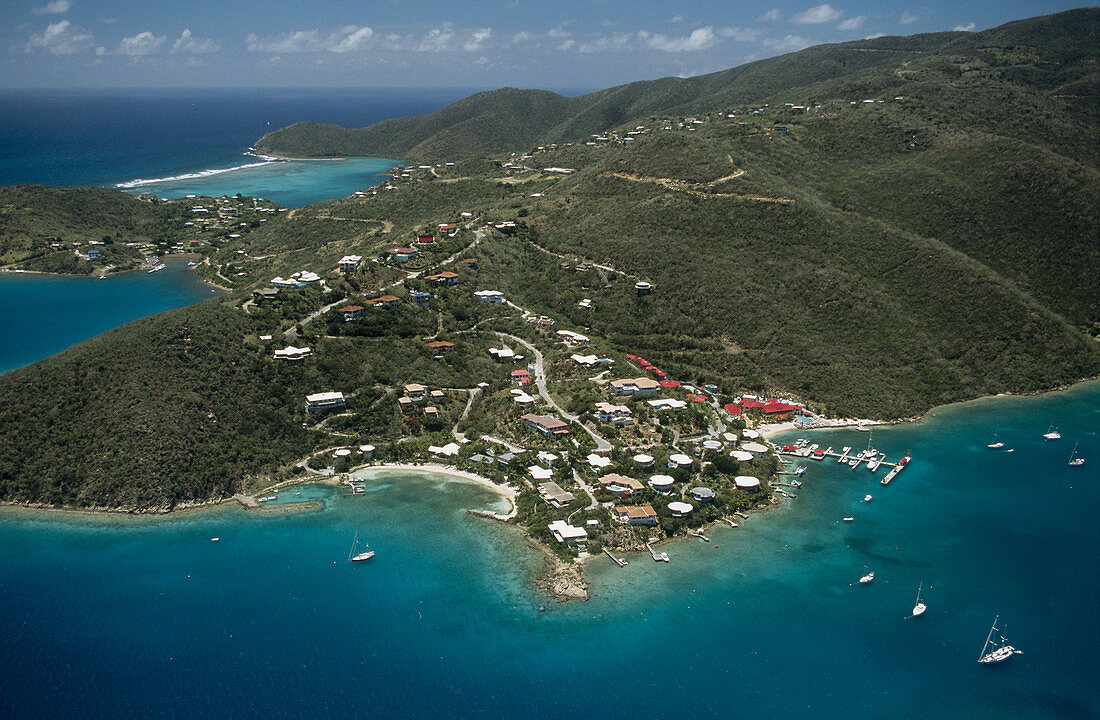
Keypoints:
pixel 995 651
pixel 867 578
pixel 994 443
pixel 920 607
pixel 1075 461
pixel 357 555
pixel 1052 432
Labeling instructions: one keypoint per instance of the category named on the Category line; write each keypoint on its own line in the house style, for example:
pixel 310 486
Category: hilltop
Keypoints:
pixel 866 230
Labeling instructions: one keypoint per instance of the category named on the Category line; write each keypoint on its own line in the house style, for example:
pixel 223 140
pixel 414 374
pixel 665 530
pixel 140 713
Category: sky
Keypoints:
pixel 434 43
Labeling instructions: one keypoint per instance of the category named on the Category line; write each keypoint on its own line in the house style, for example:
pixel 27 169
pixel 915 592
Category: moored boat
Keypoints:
pixel 1052 432
pixel 995 651
pixel 867 578
pixel 357 555
pixel 1075 461
pixel 919 607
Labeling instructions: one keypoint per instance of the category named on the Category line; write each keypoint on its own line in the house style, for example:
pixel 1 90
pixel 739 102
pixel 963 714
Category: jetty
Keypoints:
pixel 896 469
pixel 621 562
pixel 657 556
pixel 729 522
pixel 699 534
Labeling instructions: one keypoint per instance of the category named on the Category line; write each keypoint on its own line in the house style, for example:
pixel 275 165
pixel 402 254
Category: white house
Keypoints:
pixel 350 263
pixel 490 296
pixel 319 402
pixel 563 532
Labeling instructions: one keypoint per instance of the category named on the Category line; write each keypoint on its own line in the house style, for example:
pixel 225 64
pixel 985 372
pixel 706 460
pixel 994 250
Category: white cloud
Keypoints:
pixel 60 38
pixel 559 31
pixel 676 19
pixel 699 39
pixel 965 28
pixel 437 40
pixel 144 43
pixel 908 18
pixel 188 43
pixel 476 40
pixel 852 23
pixel 57 7
pixel 772 15
pixel 817 15
pixel 875 36
pixel 522 37
pixel 347 39
pixel 789 43
pixel 569 45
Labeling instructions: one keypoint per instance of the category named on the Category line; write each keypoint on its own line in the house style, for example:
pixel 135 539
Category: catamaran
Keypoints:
pixel 920 607
pixel 995 651
pixel 357 555
pixel 1075 461
pixel 1052 432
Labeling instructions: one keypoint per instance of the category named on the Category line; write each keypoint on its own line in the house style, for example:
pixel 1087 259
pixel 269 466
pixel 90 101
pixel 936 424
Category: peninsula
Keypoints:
pixel 596 305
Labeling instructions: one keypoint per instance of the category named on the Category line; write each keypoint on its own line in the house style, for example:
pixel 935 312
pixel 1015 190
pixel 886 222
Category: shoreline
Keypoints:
pixel 449 470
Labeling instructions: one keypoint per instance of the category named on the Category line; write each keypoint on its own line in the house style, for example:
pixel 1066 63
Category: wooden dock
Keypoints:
pixel 621 562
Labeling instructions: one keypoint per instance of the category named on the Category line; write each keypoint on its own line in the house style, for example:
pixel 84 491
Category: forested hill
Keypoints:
pixel 1033 80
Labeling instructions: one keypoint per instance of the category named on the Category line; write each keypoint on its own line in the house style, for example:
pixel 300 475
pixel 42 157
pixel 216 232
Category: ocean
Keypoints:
pixel 177 142
pixel 147 617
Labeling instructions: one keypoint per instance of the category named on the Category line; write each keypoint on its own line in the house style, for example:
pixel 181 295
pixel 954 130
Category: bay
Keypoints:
pixel 41 315
pixel 148 617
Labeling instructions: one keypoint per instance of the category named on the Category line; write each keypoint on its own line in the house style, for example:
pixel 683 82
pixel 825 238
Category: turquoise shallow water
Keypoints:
pixel 150 618
pixel 43 314
pixel 291 183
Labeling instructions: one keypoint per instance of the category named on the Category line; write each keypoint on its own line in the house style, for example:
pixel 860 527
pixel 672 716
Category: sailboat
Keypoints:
pixel 994 443
pixel 1052 432
pixel 920 607
pixel 1075 461
pixel 867 578
pixel 357 555
pixel 995 651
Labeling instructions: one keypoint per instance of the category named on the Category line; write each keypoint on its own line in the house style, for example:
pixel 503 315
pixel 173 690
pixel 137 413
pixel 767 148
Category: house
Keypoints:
pixel 351 312
pixel 466 215
pixel 542 322
pixel 521 376
pixel 547 458
pixel 521 398
pixel 490 296
pixel 265 293
pixel 643 288
pixel 448 228
pixel 552 493
pixel 431 411
pixel 613 414
pixel 297 280
pixel 414 392
pixel 637 514
pixel 401 254
pixel 504 353
pixel 437 395
pixel 349 263
pixel 419 297
pixel 667 404
pixel 93 253
pixel 444 278
pixel 703 494
pixel 571 338
pixel 439 347
pixel 598 461
pixel 508 227
pixel 404 403
pixel 679 460
pixel 320 402
pixel 546 425
pixel 621 484
pixel 632 386
pixel 540 473
pixel 385 301
pixel 565 533
pixel 426 239
pixel 467 262
pixel 292 353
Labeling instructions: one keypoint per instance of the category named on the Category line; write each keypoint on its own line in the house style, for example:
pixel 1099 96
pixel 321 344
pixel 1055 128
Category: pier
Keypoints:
pixel 621 562
pixel 657 556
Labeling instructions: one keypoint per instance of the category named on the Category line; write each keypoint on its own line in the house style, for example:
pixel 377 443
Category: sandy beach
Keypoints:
pixel 451 471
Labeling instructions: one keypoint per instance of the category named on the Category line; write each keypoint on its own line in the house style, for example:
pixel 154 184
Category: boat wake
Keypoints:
pixel 141 182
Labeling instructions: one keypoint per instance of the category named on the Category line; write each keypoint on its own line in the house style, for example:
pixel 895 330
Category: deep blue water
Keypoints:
pixel 149 618
pixel 43 314
pixel 109 137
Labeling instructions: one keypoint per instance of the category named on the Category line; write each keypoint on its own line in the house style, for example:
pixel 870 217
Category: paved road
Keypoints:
pixel 540 383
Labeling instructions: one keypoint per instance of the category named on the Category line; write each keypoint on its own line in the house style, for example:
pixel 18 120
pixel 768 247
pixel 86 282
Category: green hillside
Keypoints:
pixel 871 228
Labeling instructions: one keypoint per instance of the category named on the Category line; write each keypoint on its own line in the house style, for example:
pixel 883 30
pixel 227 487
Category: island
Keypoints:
pixel 603 307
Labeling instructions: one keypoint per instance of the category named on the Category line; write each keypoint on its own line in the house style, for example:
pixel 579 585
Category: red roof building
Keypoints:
pixel 670 384
pixel 732 409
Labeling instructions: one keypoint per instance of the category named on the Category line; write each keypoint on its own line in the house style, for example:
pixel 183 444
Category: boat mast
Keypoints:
pixel 989 636
pixel 354 545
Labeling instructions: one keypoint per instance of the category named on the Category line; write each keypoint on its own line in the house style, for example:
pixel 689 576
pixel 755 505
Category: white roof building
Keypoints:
pixel 667 404
pixel 540 473
pixel 598 461
pixel 563 532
